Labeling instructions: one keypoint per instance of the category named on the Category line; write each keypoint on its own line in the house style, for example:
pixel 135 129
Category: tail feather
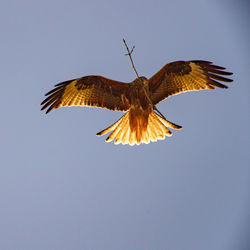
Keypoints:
pixel 118 129
pixel 161 129
pixel 140 128
pixel 152 130
pixel 146 137
pixel 169 124
pixel 110 128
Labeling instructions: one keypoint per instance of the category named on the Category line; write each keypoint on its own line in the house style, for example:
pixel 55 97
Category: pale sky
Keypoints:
pixel 61 187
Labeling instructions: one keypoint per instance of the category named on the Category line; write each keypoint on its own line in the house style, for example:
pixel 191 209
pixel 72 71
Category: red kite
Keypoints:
pixel 140 123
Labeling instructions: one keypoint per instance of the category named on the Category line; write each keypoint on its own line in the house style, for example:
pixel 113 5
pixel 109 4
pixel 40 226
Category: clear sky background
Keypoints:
pixel 61 187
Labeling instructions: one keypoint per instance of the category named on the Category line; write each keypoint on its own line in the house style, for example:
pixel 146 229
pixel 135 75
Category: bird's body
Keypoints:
pixel 140 123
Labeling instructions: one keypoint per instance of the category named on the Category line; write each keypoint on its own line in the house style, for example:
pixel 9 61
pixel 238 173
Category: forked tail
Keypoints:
pixel 137 127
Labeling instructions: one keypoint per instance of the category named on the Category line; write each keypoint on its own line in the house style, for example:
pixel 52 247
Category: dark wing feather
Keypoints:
pixel 183 76
pixel 96 91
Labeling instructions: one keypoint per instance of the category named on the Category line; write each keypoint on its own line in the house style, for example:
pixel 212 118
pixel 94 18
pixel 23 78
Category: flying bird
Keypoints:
pixel 142 121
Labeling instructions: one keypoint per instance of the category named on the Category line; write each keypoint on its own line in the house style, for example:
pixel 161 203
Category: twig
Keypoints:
pixel 129 54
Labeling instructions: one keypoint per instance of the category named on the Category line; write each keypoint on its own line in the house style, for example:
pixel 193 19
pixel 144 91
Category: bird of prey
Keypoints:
pixel 138 99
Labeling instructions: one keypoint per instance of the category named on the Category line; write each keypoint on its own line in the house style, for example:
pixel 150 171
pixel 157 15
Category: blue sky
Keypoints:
pixel 61 187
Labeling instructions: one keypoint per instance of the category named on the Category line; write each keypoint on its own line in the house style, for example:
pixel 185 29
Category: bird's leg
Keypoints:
pixel 156 109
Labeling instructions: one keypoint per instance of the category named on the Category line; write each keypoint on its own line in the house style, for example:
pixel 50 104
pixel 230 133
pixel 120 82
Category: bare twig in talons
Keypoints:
pixel 129 54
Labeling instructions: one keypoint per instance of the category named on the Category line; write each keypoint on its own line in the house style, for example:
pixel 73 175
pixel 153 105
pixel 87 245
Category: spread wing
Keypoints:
pixel 183 76
pixel 96 91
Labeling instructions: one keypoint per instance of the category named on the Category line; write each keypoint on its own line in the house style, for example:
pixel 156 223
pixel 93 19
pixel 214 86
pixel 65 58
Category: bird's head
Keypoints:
pixel 141 81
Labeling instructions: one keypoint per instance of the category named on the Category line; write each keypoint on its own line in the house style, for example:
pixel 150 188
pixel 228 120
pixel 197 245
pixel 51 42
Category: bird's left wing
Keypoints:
pixel 96 91
pixel 183 76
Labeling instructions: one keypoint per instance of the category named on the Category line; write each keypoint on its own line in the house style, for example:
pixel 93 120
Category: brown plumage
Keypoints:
pixel 140 124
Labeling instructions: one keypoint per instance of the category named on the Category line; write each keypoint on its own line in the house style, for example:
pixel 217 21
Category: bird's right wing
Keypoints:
pixel 183 76
pixel 95 91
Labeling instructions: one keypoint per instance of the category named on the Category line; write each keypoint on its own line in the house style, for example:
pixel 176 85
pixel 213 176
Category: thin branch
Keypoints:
pixel 129 54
